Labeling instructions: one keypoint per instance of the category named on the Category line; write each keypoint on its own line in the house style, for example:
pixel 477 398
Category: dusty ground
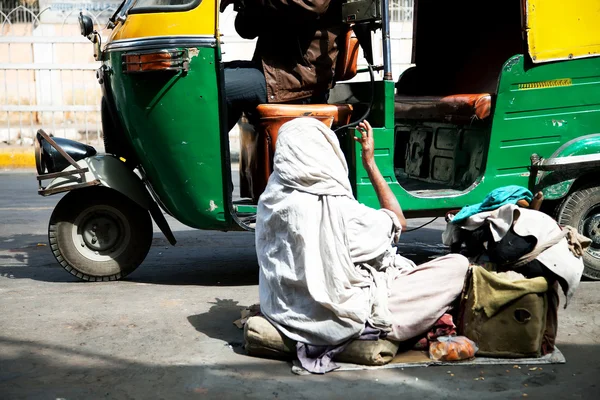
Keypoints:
pixel 167 332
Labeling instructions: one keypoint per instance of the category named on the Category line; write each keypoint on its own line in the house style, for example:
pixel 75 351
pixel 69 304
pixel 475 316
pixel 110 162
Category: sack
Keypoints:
pixel 452 348
pixel 262 339
pixel 505 318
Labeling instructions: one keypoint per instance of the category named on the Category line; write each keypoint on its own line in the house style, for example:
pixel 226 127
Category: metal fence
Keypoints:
pixel 401 10
pixel 47 76
pixel 47 70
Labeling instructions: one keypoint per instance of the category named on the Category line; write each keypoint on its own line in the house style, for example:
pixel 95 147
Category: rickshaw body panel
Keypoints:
pixel 110 172
pixel 173 124
pixel 172 119
pixel 197 18
pixel 562 30
pixel 551 110
pixel 557 184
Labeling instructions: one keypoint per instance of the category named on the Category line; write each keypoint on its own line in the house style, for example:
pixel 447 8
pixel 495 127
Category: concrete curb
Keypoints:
pixel 24 158
pixel 17 158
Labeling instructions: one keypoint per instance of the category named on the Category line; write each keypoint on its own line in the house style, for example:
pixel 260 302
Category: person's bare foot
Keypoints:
pixel 536 203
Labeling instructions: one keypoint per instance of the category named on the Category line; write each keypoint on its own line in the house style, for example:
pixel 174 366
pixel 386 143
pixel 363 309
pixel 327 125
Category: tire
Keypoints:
pixel 98 234
pixel 581 209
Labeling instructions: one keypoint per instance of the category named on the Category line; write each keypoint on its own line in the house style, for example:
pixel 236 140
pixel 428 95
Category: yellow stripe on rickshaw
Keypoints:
pixel 201 20
pixel 546 84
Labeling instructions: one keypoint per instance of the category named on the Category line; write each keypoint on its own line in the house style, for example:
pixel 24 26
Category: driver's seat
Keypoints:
pixel 256 158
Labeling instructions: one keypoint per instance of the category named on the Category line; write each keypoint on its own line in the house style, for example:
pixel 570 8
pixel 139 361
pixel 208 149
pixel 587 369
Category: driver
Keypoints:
pixel 295 54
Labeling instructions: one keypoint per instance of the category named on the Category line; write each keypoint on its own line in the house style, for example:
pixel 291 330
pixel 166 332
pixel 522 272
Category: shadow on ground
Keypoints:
pixel 217 323
pixel 200 258
pixel 39 370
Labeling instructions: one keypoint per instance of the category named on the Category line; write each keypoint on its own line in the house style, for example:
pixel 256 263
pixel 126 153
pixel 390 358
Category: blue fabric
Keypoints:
pixel 496 199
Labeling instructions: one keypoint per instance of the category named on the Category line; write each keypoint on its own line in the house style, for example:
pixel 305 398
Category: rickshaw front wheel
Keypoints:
pixel 581 210
pixel 97 234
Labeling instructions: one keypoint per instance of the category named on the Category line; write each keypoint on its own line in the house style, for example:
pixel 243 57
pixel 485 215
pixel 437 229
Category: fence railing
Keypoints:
pixel 47 78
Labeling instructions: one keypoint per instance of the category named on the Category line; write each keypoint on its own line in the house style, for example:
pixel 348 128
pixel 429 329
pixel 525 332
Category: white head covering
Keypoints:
pixel 309 159
pixel 323 256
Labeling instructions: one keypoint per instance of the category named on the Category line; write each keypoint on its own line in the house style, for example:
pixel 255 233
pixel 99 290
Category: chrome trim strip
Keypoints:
pixel 154 42
pixel 572 162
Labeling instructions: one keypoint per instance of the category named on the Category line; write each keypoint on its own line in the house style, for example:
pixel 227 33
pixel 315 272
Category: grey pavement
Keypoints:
pixel 166 331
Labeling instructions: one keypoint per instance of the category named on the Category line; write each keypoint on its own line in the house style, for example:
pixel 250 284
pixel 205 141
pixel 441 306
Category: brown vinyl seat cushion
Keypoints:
pixel 455 108
pixel 270 117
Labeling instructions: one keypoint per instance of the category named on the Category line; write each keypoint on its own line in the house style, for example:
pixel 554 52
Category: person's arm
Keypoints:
pixel 386 198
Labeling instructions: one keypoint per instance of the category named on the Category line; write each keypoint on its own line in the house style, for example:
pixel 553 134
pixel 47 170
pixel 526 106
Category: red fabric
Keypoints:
pixel 443 327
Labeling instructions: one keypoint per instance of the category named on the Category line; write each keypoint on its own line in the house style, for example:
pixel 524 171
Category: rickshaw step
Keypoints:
pixel 245 208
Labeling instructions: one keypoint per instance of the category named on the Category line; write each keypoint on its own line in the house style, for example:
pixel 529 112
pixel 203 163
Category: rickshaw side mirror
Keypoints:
pixel 365 15
pixel 86 25
pixel 363 34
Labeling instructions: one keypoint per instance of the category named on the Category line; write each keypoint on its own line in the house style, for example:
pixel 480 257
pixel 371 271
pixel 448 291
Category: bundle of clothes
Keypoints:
pixel 520 257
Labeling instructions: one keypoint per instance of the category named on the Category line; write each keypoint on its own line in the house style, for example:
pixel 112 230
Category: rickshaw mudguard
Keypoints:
pixel 108 171
pixel 574 160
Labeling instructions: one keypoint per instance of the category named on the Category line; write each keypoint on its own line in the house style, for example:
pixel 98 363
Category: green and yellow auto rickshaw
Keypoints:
pixel 501 93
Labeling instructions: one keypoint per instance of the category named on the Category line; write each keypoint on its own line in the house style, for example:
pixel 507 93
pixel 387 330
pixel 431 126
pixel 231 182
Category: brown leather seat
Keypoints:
pixel 347 61
pixel 270 118
pixel 258 150
pixel 455 108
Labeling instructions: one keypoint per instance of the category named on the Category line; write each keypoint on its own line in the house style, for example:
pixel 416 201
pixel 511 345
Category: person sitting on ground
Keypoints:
pixel 295 55
pixel 328 267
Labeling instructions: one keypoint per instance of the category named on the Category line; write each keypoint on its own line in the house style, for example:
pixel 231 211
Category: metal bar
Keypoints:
pixel 49 192
pixel 6 95
pixel 52 94
pixel 376 68
pixel 44 39
pixel 62 173
pixel 44 108
pixel 387 46
pixel 567 163
pixel 85 114
pixel 59 149
pixel 36 67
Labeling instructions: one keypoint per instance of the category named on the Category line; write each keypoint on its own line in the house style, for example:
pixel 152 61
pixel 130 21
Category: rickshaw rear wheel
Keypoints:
pixel 581 210
pixel 97 234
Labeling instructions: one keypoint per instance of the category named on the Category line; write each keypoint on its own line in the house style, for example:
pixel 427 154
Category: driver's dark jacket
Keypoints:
pixel 297 44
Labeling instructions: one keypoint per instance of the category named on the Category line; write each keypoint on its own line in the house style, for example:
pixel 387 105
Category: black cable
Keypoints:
pixel 366 114
pixel 422 226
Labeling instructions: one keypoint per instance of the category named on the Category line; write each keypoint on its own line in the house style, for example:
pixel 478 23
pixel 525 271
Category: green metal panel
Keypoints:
pixel 549 110
pixel 557 184
pixel 173 123
pixel 384 150
pixel 537 110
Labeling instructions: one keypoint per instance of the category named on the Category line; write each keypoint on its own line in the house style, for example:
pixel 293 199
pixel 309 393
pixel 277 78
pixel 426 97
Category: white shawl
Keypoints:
pixel 326 260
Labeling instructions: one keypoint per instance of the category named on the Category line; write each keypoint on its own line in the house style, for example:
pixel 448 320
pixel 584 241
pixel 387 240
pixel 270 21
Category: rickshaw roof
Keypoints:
pixel 561 30
pixel 553 29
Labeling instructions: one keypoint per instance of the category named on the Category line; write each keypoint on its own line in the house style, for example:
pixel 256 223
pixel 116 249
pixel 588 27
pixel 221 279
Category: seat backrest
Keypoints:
pixel 347 61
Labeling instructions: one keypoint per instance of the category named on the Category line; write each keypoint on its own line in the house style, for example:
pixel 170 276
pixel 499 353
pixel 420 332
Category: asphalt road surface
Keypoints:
pixel 166 331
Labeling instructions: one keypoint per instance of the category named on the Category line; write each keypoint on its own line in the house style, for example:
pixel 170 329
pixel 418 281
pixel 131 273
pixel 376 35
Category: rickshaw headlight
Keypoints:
pixel 161 60
pixel 49 160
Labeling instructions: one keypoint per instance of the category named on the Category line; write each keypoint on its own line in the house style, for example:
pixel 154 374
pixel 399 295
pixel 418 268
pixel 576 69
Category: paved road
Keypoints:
pixel 167 332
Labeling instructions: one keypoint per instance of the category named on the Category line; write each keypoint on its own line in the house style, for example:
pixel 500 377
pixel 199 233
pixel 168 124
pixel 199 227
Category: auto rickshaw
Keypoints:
pixel 502 93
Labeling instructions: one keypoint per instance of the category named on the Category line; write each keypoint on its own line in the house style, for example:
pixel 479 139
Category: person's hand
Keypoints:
pixel 366 141
pixel 224 4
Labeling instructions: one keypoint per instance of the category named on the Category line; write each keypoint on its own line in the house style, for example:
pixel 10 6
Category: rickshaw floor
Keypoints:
pixel 422 188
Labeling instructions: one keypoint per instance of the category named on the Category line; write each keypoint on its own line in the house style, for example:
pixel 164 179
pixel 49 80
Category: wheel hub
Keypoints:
pixel 592 228
pixel 100 233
